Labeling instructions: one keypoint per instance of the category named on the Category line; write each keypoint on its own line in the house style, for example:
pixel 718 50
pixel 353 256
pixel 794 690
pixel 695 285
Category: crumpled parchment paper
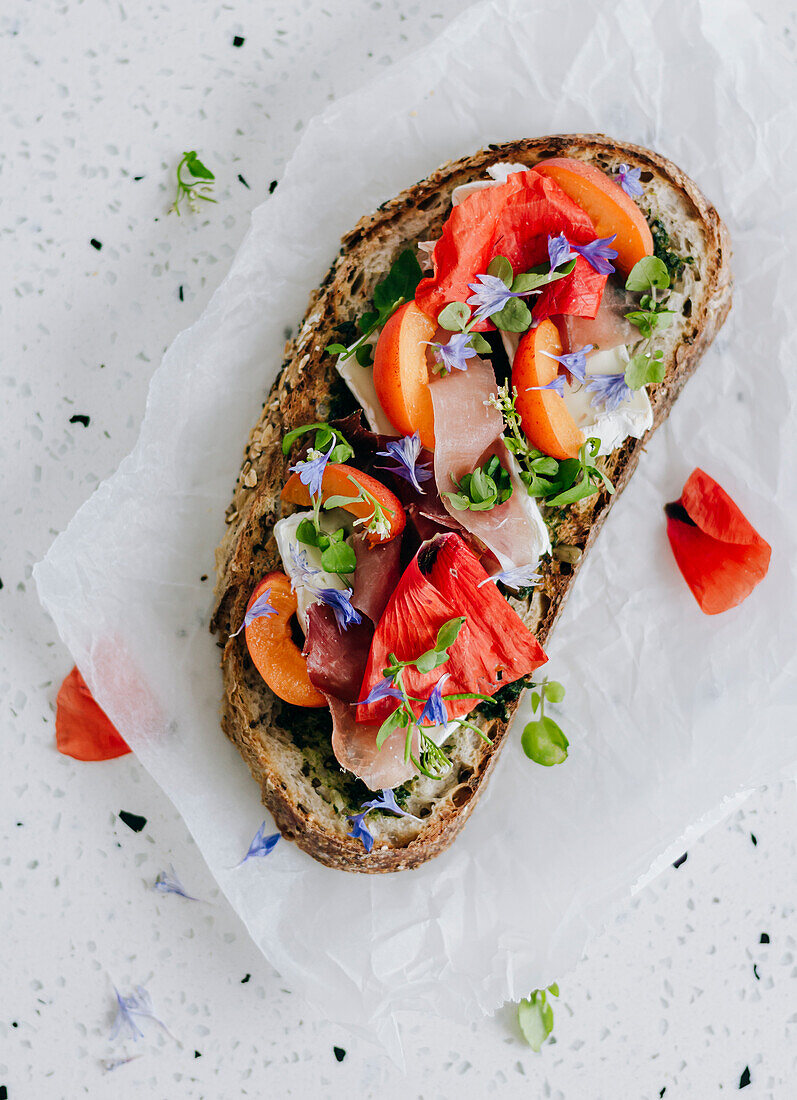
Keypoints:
pixel 668 711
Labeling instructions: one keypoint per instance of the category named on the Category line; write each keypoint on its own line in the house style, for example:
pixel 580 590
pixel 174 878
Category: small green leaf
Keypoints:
pixel 650 271
pixel 449 632
pixel 479 344
pixel 554 989
pixel 368 321
pixel 340 501
pixel 335 349
pixel 392 722
pixel 430 660
pixel 458 501
pixel 307 533
pixel 535 1018
pixel 544 742
pixel 643 319
pixel 454 317
pixel 554 691
pixel 290 437
pixel 197 168
pixel 342 452
pixel 545 466
pixel 365 355
pixel 642 369
pixel 339 557
pixel 535 701
pixel 501 268
pixel 514 317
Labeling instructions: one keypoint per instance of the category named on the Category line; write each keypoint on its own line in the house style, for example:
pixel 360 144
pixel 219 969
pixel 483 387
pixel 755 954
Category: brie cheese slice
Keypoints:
pixel 631 418
pixel 289 547
pixel 360 381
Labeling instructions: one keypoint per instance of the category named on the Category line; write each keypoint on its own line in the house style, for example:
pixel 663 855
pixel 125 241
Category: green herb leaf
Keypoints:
pixel 535 701
pixel 290 438
pixel 650 271
pixel 643 368
pixel 449 632
pixel 501 268
pixel 479 344
pixel 544 742
pixel 393 722
pixel 399 285
pixel 364 355
pixel 196 167
pixel 307 533
pixel 339 557
pixel 430 660
pixel 514 317
pixel 335 349
pixel 454 317
pixel 339 501
pixel 554 691
pixel 535 1018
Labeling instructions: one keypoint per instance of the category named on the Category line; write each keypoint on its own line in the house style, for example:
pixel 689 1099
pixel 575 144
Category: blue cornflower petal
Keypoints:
pixel 302 571
pixel 360 830
pixel 167 882
pixel 383 690
pixel 599 254
pixel 574 361
pixel 610 390
pixel 260 609
pixel 434 711
pixel 387 803
pixel 311 470
pixel 519 577
pixel 405 452
pixel 628 178
pixel 138 1003
pixel 455 354
pixel 490 294
pixel 340 602
pixel 557 384
pixel 261 844
pixel 559 251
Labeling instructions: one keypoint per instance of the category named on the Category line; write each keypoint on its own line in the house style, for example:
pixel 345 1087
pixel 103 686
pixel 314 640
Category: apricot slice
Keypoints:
pixel 543 414
pixel 271 646
pixel 401 373
pixel 611 210
pixel 347 481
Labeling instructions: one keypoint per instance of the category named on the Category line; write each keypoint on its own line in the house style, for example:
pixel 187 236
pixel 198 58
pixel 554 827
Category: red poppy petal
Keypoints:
pixel 82 728
pixel 714 512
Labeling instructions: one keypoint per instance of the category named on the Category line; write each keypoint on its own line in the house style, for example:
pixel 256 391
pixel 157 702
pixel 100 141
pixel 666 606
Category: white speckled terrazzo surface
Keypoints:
pixel 674 1000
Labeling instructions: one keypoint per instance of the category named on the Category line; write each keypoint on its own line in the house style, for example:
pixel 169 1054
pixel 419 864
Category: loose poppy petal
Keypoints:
pixel 82 728
pixel 720 554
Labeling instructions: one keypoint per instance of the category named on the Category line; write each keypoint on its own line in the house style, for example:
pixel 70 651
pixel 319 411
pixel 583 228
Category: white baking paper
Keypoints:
pixel 668 711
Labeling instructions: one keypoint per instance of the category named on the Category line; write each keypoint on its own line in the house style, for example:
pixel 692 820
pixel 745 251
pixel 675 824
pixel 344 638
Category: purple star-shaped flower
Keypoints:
pixel 386 802
pixel 167 882
pixel 610 390
pixel 340 602
pixel 260 609
pixel 302 569
pixel 434 711
pixel 382 690
pixel 559 251
pixel 490 294
pixel 405 453
pixel 455 354
pixel 519 577
pixel 574 361
pixel 311 470
pixel 360 831
pixel 261 844
pixel 556 384
pixel 628 178
pixel 599 254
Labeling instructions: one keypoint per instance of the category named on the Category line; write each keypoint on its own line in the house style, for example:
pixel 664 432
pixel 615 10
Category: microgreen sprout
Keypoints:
pixel 647 277
pixel 535 1017
pixel 543 740
pixel 483 489
pixel 380 520
pixel 337 556
pixel 195 189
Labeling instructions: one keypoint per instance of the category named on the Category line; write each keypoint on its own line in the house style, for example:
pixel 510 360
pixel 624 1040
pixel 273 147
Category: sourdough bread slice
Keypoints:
pixel 287 749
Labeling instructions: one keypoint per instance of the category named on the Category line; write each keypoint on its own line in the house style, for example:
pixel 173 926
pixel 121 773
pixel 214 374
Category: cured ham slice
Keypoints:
pixel 376 575
pixel 354 745
pixel 608 329
pixel 336 658
pixel 467 432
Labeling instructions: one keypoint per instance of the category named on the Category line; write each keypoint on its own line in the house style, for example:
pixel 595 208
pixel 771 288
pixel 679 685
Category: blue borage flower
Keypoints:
pixel 138 1003
pixel 382 690
pixel 360 831
pixel 599 254
pixel 167 882
pixel 628 178
pixel 311 469
pixel 302 570
pixel 575 361
pixel 559 251
pixel 491 294
pixel 556 384
pixel 261 845
pixel 434 711
pixel 405 452
pixel 340 602
pixel 610 390
pixel 520 577
pixel 455 354
pixel 260 609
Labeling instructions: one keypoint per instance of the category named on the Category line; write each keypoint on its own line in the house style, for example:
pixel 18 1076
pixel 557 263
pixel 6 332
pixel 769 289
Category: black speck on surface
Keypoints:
pixel 14 1023
pixel 272 187
pixel 1 583
pixel 238 41
pixel 243 181
pixel 133 821
pixel 744 1080
pixel 180 292
pixel 80 418
pixel 95 243
pixel 197 1054
pixel 681 860
pixel 245 979
pixel 753 838
pixel 339 1053
pixel 137 178
pixel 755 971
pixel 662 1091
pixel 204 577
pixel 764 937
pixel 3 1092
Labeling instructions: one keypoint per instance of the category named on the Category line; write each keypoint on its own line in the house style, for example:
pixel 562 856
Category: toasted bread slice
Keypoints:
pixel 286 748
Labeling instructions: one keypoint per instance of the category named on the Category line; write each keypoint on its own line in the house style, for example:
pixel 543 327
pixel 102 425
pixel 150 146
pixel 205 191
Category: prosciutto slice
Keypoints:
pixel 376 575
pixel 467 433
pixel 608 329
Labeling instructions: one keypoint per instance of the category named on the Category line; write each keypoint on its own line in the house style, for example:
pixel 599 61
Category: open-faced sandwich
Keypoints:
pixel 469 391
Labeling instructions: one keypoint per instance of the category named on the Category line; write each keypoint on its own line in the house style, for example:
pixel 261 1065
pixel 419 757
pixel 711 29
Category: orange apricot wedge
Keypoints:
pixel 543 414
pixel 271 646
pixel 341 480
pixel 611 210
pixel 401 373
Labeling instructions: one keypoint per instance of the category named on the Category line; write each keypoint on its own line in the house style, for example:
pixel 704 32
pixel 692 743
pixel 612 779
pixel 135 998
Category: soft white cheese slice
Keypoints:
pixel 498 173
pixel 360 381
pixel 630 418
pixel 285 534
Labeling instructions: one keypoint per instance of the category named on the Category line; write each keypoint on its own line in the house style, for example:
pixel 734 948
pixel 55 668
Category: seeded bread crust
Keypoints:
pixel 301 790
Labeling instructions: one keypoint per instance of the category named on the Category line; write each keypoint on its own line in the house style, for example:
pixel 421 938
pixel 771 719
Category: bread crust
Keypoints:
pixel 303 392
